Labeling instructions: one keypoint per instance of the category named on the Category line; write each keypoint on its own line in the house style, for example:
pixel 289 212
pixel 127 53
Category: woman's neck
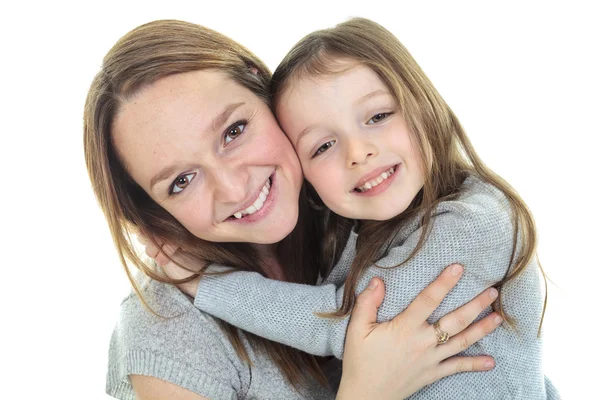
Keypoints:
pixel 269 262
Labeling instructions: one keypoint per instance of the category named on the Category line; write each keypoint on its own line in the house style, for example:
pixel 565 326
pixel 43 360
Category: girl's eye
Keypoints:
pixel 378 118
pixel 324 147
pixel 181 183
pixel 234 131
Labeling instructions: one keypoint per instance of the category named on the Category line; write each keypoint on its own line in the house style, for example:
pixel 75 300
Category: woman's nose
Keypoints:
pixel 230 186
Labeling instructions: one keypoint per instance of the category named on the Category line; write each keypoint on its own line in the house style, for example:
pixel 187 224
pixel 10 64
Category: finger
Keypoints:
pixel 457 365
pixel 472 334
pixel 165 255
pixel 364 314
pixel 162 259
pixel 462 317
pixel 152 250
pixel 169 249
pixel 142 239
pixel 431 297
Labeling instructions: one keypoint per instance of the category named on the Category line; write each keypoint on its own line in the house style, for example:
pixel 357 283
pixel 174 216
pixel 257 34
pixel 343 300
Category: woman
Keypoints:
pixel 160 117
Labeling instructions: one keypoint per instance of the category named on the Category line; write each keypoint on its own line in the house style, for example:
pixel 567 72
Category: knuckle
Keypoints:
pixel 464 343
pixel 428 300
pixel 461 323
pixel 462 366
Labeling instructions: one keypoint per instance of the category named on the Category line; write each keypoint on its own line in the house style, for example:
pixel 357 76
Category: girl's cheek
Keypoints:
pixel 326 179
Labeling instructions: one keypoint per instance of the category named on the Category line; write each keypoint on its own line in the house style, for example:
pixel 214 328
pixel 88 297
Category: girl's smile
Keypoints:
pixel 353 142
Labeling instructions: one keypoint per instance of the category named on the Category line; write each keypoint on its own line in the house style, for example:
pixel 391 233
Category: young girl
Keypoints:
pixel 402 194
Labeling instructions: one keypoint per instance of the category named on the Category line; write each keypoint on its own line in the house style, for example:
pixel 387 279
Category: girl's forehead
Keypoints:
pixel 356 80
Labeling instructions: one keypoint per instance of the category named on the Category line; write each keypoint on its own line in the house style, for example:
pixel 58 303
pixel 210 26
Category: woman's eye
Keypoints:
pixel 181 183
pixel 378 118
pixel 234 131
pixel 324 147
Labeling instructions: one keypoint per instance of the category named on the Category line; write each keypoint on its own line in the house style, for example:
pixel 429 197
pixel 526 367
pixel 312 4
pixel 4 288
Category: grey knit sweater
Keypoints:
pixel 474 229
pixel 189 350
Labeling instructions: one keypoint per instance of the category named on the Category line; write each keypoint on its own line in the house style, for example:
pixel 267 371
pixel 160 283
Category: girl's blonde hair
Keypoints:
pixel 140 58
pixel 448 155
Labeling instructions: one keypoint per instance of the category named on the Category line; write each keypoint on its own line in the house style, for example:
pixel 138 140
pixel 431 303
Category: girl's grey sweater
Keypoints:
pixel 475 229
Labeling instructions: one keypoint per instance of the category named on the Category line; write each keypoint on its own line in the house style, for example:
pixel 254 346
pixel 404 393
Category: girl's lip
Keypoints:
pixel 266 208
pixel 373 174
pixel 381 187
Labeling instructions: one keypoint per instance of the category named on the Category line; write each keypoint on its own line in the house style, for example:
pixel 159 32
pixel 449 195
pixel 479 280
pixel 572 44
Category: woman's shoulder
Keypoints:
pixel 170 339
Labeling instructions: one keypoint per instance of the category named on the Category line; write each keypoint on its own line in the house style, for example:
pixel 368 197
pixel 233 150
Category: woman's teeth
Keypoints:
pixel 375 182
pixel 258 203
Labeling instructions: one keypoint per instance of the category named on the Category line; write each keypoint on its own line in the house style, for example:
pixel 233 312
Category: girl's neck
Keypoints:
pixel 268 257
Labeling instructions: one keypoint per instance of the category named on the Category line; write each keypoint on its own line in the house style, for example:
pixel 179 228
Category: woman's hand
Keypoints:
pixel 394 359
pixel 163 254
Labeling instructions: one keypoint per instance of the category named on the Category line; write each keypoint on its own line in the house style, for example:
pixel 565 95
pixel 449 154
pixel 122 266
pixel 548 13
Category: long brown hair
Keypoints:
pixel 448 155
pixel 140 58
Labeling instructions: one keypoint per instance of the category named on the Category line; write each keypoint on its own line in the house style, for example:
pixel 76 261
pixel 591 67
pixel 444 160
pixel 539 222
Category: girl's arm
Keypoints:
pixel 478 238
pixel 285 312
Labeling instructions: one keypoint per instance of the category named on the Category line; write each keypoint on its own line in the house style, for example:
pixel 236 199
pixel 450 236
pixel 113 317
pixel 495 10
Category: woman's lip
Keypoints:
pixel 373 174
pixel 252 198
pixel 266 208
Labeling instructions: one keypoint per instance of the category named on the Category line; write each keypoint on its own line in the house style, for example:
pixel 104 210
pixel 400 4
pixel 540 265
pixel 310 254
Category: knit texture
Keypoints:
pixel 475 229
pixel 189 350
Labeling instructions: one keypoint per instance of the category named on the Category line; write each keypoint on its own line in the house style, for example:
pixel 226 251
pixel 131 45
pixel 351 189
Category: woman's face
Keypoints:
pixel 211 153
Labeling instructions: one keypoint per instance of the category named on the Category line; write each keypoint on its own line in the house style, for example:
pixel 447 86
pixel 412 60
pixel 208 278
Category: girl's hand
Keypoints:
pixel 162 254
pixel 394 359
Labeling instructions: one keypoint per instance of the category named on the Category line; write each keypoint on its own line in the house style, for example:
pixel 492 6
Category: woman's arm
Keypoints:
pixel 392 360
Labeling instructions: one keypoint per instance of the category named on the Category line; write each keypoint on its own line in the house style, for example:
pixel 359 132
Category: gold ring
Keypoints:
pixel 442 337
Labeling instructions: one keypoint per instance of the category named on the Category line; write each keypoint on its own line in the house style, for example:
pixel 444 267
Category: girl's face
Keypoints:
pixel 353 143
pixel 211 153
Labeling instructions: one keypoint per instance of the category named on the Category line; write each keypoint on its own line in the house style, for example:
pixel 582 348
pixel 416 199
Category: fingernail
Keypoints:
pixel 456 269
pixel 489 364
pixel 493 293
pixel 498 320
pixel 373 284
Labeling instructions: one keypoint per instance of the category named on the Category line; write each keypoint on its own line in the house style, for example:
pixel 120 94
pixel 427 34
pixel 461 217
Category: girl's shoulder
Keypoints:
pixel 480 213
pixel 477 198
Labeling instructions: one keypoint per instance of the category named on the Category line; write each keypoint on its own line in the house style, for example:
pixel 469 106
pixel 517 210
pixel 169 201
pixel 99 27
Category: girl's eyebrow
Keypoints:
pixel 304 132
pixel 369 95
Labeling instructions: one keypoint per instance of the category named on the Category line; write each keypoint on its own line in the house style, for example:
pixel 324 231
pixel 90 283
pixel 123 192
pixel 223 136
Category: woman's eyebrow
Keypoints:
pixel 216 123
pixel 220 119
pixel 162 175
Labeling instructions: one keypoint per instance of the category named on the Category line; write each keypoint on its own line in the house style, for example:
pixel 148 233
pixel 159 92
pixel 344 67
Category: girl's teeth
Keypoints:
pixel 238 215
pixel 376 181
pixel 262 196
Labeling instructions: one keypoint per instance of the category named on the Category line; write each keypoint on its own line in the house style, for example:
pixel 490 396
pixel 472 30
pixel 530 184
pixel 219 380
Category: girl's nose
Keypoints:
pixel 359 152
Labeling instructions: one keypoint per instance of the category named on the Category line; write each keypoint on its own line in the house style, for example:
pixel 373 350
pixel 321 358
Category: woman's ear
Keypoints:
pixel 252 68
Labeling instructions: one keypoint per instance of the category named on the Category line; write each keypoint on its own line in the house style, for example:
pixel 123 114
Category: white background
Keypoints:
pixel 522 77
